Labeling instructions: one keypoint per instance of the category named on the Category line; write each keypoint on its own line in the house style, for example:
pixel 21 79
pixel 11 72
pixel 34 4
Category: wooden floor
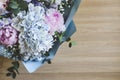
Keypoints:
pixel 97 53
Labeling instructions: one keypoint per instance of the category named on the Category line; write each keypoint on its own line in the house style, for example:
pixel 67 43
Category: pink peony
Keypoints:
pixel 8 36
pixel 3 5
pixel 55 20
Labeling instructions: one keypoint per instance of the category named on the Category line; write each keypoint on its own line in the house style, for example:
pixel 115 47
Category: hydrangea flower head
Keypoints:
pixel 34 38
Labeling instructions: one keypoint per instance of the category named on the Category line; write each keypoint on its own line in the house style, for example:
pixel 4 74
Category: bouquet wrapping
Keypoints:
pixel 32 30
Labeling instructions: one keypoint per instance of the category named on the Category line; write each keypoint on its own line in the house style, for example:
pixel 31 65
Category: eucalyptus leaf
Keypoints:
pixel 14 5
pixel 0 16
pixel 68 39
pixel 16 70
pixel 46 54
pixel 16 64
pixel 8 74
pixel 52 1
pixel 11 69
pixel 22 5
pixel 70 44
pixel 61 38
pixel 73 43
pixel 13 75
pixel 49 61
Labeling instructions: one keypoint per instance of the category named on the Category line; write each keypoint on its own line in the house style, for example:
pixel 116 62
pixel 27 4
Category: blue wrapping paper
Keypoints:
pixel 32 66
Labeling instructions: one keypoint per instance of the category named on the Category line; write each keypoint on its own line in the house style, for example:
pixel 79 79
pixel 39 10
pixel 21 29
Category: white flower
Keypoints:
pixel 3 6
pixel 4 52
pixel 28 0
pixel 34 38
pixel 58 2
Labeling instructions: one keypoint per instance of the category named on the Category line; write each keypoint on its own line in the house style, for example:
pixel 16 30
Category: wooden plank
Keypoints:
pixel 75 64
pixel 66 76
pixel 1 62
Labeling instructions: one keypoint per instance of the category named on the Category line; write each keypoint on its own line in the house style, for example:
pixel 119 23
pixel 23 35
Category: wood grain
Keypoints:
pixel 97 53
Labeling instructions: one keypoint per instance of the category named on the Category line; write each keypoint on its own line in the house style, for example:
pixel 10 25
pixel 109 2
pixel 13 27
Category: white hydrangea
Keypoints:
pixel 4 22
pixel 58 2
pixel 4 52
pixel 34 38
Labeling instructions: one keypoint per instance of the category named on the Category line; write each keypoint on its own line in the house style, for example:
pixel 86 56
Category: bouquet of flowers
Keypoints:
pixel 32 30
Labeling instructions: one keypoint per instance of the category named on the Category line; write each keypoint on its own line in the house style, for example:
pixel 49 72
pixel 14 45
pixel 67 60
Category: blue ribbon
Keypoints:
pixel 32 66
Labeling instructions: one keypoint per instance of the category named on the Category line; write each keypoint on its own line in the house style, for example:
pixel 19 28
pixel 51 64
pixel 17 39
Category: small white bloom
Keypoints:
pixel 58 2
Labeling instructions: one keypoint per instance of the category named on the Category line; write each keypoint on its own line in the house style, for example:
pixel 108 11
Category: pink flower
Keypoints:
pixel 55 20
pixel 3 5
pixel 8 36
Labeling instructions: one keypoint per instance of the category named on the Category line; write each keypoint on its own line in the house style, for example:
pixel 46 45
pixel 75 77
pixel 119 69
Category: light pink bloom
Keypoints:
pixel 55 20
pixel 3 5
pixel 8 36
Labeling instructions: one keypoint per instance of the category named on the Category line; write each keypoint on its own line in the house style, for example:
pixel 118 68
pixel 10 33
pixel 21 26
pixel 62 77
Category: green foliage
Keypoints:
pixel 15 52
pixel 71 43
pixel 49 61
pixel 13 71
pixel 59 36
pixel 13 4
pixel 16 6
pixel 68 39
pixel 1 17
pixel 46 54
pixel 16 65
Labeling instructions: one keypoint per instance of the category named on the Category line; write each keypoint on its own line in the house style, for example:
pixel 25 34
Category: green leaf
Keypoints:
pixel 11 69
pixel 49 61
pixel 16 64
pixel 73 43
pixel 14 75
pixel 1 17
pixel 52 1
pixel 17 71
pixel 16 6
pixel 68 39
pixel 46 54
pixel 70 44
pixel 8 74
pixel 13 5
pixel 23 5
pixel 61 38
